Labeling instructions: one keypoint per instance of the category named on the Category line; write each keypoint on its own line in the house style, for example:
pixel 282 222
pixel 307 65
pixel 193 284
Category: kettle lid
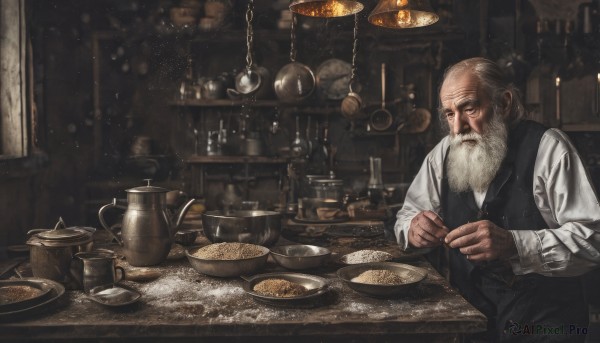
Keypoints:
pixel 147 189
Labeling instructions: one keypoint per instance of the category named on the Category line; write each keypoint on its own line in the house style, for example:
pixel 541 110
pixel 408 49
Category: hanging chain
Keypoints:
pixel 354 50
pixel 293 38
pixel 249 34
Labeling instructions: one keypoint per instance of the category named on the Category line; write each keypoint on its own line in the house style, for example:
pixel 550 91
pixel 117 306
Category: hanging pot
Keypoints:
pixel 352 106
pixel 294 82
pixel 248 81
pixel 251 82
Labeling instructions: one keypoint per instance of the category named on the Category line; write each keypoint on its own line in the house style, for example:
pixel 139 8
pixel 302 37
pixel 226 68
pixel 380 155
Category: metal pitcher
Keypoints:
pixel 147 229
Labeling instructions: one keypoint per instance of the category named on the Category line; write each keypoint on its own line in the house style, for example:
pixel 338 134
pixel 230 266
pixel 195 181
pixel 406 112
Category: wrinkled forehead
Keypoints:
pixel 460 85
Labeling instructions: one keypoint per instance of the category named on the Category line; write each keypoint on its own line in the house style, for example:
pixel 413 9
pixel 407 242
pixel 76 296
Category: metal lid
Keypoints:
pixel 62 234
pixel 147 189
pixel 61 237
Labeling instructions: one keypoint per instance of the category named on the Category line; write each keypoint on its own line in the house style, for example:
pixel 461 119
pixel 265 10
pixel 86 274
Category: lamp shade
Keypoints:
pixel 403 14
pixel 326 8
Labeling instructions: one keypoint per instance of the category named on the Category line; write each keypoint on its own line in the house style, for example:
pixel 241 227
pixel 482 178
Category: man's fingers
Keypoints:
pixel 459 232
pixel 435 218
pixel 428 236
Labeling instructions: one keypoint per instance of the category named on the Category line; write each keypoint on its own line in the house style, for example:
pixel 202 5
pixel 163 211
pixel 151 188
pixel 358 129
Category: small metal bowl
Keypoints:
pixel 228 268
pixel 412 275
pixel 185 237
pixel 300 256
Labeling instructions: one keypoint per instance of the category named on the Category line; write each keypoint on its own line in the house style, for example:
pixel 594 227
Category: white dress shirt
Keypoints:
pixel 563 193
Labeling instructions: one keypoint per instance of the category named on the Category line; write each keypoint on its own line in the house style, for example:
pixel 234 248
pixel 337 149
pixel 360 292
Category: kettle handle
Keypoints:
pixel 103 222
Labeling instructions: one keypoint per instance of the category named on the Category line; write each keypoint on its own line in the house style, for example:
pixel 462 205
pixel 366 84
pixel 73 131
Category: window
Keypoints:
pixel 14 105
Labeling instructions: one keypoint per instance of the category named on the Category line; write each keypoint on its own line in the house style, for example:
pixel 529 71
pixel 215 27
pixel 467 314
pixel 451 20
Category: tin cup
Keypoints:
pixel 99 269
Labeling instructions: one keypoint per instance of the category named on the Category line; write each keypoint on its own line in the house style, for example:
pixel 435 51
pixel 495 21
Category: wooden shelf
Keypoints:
pixel 221 159
pixel 329 107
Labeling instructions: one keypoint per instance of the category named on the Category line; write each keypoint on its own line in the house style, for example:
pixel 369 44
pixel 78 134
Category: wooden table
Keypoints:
pixel 183 305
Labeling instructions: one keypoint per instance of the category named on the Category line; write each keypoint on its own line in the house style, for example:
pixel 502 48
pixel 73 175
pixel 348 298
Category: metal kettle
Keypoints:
pixel 147 229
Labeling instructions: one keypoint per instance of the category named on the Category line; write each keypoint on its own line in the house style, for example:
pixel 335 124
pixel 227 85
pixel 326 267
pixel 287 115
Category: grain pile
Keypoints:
pixel 279 288
pixel 379 277
pixel 229 251
pixel 10 294
pixel 366 256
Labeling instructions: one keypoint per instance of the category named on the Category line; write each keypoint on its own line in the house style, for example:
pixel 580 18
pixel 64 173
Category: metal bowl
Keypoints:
pixel 412 275
pixel 228 268
pixel 300 256
pixel 254 227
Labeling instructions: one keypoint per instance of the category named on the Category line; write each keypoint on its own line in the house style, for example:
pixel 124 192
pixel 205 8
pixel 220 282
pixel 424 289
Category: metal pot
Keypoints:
pixel 52 253
pixel 294 82
pixel 254 227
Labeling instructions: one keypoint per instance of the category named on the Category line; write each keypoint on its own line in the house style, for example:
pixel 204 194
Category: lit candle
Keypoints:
pixel 557 82
pixel 598 95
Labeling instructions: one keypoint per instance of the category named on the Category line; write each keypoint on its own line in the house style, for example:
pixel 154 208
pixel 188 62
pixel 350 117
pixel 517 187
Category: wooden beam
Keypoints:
pixel 13 133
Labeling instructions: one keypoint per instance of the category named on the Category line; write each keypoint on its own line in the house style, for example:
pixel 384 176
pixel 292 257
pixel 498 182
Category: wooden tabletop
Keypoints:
pixel 185 305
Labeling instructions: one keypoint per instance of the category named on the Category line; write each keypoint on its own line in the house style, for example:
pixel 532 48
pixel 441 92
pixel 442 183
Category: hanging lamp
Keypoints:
pixel 403 14
pixel 326 8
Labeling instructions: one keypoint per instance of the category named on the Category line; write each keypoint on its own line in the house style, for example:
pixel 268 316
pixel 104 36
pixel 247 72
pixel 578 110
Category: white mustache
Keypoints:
pixel 461 137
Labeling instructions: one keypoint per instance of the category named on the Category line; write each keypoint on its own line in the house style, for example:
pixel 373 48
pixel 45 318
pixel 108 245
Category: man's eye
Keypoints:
pixel 469 110
pixel 449 115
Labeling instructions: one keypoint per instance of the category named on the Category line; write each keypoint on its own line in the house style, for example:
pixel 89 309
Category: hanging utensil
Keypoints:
pixel 299 146
pixel 249 80
pixel 295 81
pixel 418 119
pixel 381 119
pixel 352 105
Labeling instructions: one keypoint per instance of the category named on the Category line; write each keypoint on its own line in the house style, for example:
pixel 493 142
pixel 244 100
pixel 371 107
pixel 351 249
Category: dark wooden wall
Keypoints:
pixel 107 55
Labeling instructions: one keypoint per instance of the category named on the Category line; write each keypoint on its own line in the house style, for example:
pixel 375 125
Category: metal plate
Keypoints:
pixel 19 294
pixel 413 276
pixel 315 285
pixel 56 291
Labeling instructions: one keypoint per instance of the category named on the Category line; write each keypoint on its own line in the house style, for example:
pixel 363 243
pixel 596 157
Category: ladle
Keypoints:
pixel 299 146
pixel 381 119
pixel 352 104
pixel 249 80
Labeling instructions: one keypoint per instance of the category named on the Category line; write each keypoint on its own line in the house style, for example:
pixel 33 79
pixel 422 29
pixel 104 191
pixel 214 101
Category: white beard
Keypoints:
pixel 473 167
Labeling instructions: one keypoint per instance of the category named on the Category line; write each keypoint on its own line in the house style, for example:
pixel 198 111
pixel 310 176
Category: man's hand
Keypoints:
pixel 426 230
pixel 482 241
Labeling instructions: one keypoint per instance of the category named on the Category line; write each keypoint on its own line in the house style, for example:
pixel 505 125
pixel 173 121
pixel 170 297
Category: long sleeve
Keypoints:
pixel 424 192
pixel 566 199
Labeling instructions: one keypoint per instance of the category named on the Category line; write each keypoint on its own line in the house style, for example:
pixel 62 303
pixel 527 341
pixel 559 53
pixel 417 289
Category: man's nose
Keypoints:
pixel 460 125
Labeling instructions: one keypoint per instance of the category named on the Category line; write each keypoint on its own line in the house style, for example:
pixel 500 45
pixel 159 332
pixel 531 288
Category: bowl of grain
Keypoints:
pixel 382 279
pixel 365 256
pixel 286 289
pixel 300 256
pixel 228 259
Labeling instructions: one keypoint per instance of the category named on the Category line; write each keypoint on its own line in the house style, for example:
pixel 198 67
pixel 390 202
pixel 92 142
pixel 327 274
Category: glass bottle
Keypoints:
pixel 375 185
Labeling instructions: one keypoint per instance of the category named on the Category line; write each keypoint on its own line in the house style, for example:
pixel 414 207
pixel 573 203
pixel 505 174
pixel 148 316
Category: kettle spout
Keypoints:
pixel 180 216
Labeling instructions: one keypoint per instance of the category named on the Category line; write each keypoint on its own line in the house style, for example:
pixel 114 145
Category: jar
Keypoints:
pixel 328 189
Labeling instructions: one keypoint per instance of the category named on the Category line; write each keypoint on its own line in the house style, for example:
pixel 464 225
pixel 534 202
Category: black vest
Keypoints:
pixel 508 203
